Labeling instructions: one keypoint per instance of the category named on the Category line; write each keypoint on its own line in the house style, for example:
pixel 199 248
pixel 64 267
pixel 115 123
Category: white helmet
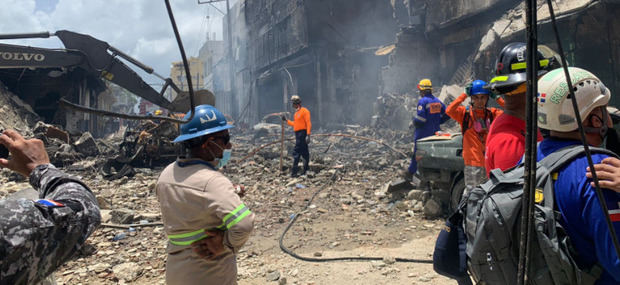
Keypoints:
pixel 555 109
pixel 296 99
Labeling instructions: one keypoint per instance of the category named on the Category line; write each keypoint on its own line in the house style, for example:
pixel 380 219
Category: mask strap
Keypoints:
pixel 602 131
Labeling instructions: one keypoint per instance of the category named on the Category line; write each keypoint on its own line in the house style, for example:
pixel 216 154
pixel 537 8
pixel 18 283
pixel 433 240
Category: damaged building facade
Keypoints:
pixel 42 88
pixel 454 42
pixel 322 50
pixel 340 57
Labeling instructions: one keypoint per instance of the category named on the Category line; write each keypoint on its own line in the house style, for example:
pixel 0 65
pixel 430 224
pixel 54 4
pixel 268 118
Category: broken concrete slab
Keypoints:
pixel 399 185
pixel 51 131
pixel 87 145
pixel 122 216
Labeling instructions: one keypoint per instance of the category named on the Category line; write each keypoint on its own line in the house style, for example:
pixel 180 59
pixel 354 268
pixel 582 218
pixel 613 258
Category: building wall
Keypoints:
pixel 196 68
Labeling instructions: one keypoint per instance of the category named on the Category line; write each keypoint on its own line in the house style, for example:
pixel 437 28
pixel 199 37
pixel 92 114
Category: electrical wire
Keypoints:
pixel 329 259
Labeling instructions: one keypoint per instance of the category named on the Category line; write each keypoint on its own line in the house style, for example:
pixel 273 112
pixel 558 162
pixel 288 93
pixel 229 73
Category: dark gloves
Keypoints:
pixel 468 89
pixel 308 139
pixel 283 117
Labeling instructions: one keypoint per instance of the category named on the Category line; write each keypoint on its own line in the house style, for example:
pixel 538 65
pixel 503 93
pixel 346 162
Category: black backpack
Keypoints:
pixel 492 219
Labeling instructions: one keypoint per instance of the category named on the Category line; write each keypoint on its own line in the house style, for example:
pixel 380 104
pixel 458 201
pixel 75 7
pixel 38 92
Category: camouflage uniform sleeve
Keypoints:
pixel 36 237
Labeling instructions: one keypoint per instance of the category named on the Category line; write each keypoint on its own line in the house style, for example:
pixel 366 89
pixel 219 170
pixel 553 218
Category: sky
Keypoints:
pixel 140 28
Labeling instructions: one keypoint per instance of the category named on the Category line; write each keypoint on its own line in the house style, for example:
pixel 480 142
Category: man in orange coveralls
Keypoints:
pixel 301 125
pixel 475 121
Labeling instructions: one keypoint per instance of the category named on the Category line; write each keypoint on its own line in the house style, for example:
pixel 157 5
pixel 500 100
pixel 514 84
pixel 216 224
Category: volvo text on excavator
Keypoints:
pixel 97 58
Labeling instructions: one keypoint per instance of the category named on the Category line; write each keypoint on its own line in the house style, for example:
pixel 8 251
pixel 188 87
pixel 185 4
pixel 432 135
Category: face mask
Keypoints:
pixel 226 153
pixel 225 158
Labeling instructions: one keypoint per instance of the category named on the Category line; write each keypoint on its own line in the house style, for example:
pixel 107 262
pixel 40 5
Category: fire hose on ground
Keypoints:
pixel 346 258
pixel 332 179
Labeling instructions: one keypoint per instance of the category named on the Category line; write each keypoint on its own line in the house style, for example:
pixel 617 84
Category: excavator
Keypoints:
pixel 97 58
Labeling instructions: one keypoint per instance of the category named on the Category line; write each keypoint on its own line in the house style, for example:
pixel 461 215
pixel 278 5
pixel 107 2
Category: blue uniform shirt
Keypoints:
pixel 582 216
pixel 430 113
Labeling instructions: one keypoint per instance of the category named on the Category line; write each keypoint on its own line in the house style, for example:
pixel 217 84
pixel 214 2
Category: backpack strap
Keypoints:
pixel 552 163
pixel 559 158
pixel 466 118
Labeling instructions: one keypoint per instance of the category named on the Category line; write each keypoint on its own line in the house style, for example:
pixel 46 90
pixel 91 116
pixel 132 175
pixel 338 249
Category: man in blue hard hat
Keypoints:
pixel 475 121
pixel 205 220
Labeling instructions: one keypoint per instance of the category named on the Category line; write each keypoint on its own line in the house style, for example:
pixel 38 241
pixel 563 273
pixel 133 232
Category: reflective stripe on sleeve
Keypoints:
pixel 234 217
pixel 187 238
pixel 422 119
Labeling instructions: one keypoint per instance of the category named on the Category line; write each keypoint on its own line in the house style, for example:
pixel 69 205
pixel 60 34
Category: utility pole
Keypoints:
pixel 231 72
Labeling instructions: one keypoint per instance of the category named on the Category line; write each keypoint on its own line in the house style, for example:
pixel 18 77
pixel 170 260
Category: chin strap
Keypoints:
pixel 602 131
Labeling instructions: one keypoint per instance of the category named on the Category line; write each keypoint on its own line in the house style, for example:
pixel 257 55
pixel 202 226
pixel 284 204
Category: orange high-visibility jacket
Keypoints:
pixel 473 142
pixel 301 120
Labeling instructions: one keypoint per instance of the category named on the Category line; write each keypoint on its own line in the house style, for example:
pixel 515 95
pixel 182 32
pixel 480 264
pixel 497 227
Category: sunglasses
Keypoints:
pixel 225 139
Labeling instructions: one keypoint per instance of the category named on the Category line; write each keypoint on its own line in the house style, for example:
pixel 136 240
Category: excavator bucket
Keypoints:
pixel 201 97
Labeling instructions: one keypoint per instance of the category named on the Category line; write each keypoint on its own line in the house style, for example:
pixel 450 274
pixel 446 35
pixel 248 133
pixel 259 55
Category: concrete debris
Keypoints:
pixel 16 114
pixel 364 218
pixel 432 209
pixel 51 131
pixel 122 216
pixel 86 145
pixel 273 276
pixel 128 271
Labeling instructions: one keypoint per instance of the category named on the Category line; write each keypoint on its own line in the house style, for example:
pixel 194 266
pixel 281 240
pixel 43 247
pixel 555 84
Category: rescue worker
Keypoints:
pixel 431 112
pixel 199 205
pixel 475 121
pixel 37 237
pixel 581 214
pixel 506 139
pixel 302 125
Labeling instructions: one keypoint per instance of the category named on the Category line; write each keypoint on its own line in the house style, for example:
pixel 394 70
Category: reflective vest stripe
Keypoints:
pixel 234 217
pixel 187 238
pixel 229 221
pixel 238 219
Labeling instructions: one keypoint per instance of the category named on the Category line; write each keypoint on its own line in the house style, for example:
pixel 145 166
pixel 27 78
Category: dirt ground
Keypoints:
pixel 351 216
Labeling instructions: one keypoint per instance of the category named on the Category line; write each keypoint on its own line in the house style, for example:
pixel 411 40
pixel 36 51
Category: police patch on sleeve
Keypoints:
pixel 49 203
pixel 420 108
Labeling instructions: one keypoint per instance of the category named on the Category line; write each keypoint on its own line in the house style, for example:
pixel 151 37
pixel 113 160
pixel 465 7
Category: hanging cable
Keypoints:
pixel 530 142
pixel 66 104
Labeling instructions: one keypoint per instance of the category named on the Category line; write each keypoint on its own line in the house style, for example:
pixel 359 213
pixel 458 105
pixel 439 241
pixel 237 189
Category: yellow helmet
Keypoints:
pixel 425 84
pixel 158 112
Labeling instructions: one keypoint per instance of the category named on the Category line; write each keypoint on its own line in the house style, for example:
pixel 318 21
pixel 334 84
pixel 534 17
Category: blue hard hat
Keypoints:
pixel 477 87
pixel 207 120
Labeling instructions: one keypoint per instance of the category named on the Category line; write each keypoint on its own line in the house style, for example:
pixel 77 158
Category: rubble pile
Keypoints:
pixel 394 111
pixel 357 206
pixel 15 114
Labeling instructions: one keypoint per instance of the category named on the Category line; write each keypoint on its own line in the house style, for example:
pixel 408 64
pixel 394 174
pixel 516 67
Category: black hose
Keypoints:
pixel 353 258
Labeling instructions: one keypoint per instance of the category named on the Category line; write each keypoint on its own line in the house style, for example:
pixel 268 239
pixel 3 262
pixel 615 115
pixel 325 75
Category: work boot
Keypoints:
pixel 294 171
pixel 406 175
pixel 306 167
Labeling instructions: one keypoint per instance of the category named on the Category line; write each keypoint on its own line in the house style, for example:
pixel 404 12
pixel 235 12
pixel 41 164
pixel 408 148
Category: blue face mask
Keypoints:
pixel 225 158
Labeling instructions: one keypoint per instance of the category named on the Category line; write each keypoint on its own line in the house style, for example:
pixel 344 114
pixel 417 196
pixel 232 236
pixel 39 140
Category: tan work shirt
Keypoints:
pixel 193 197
